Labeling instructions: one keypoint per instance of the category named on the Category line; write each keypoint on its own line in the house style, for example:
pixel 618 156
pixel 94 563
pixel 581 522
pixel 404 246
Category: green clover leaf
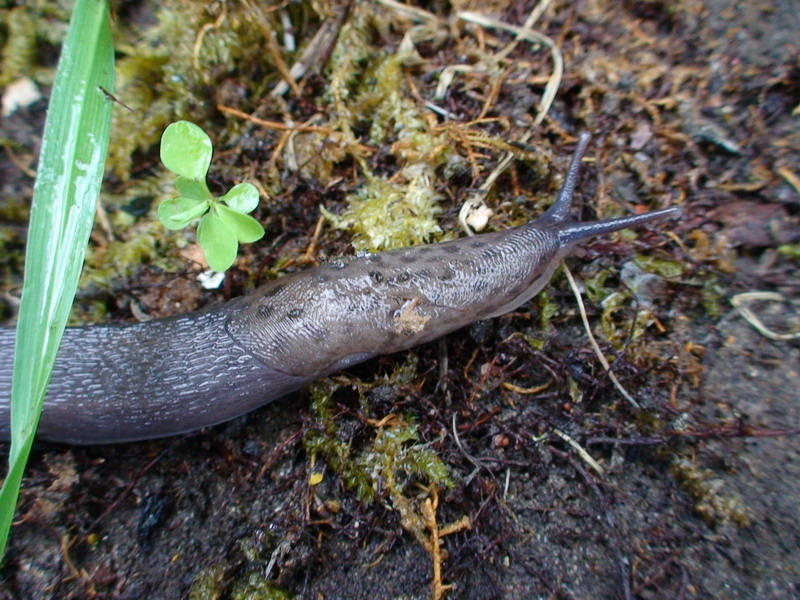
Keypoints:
pixel 186 150
pixel 178 213
pixel 242 198
pixel 189 188
pixel 218 242
pixel 246 228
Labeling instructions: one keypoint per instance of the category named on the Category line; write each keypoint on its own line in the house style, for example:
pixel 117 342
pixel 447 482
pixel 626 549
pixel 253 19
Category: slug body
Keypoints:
pixel 169 376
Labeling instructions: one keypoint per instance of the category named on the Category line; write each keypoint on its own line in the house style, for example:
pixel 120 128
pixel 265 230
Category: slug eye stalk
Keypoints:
pixel 571 232
pixel 560 211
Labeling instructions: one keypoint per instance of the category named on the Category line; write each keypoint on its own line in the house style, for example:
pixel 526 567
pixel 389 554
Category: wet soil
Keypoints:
pixel 699 501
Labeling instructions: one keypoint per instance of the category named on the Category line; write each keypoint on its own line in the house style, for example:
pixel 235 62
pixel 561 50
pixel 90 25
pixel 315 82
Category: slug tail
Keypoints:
pixel 560 211
pixel 570 233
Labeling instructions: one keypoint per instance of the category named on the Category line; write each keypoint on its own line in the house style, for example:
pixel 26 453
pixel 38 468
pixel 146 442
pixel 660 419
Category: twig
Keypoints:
pixel 272 45
pixel 290 128
pixel 474 208
pixel 429 513
pixel 80 574
pixel 274 124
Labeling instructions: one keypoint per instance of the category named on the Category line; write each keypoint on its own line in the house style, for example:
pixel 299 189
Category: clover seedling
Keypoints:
pixel 186 151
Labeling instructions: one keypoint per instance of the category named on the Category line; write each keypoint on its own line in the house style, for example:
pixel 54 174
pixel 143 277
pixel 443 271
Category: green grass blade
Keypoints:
pixel 70 172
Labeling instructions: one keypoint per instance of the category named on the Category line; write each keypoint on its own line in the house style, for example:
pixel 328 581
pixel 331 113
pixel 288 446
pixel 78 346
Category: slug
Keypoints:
pixel 121 383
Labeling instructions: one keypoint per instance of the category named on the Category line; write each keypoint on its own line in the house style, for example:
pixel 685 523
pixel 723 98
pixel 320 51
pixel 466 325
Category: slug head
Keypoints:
pixel 571 232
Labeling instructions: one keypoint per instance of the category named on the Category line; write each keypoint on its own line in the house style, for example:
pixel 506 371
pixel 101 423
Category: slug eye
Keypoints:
pixel 294 313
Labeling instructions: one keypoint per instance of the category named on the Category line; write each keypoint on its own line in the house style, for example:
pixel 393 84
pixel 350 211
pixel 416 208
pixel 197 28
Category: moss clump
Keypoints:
pixel 711 502
pixel 387 211
pixel 791 251
pixel 389 452
pixel 208 584
pixel 256 587
pixel 596 288
pixel 663 267
pixel 27 29
pixel 615 320
pixel 548 308
pixel 629 307
pixel 712 297
pixel 386 214
pixel 243 578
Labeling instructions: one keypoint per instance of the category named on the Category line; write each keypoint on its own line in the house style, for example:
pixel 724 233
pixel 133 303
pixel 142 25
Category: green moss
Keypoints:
pixel 19 48
pixel 791 251
pixel 120 260
pixel 27 27
pixel 548 308
pixel 406 372
pixel 14 208
pixel 243 578
pixel 711 501
pixel 386 214
pixel 663 267
pixel 615 320
pixel 712 297
pixel 596 288
pixel 208 584
pixel 256 587
pixel 316 155
pixel 396 455
pixel 136 242
pixel 390 452
pixel 352 51
pixel 397 209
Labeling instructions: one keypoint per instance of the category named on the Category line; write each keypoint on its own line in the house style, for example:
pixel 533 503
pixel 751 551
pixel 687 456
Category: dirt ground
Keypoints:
pixel 690 103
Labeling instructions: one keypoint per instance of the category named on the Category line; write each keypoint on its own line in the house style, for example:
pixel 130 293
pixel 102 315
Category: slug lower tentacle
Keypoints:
pixel 169 376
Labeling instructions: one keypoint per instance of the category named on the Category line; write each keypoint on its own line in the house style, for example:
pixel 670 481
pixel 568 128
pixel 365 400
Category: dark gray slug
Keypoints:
pixel 120 383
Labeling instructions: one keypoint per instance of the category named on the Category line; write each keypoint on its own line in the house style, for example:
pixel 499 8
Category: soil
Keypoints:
pixel 698 492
